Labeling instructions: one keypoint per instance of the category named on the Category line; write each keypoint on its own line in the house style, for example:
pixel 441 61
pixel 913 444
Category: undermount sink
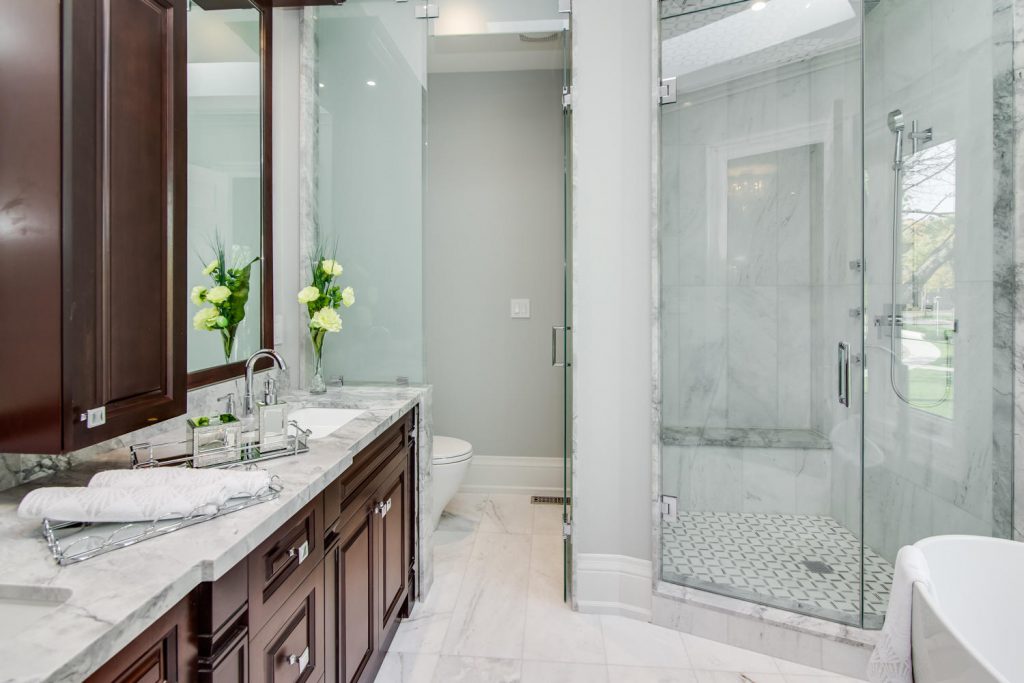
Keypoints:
pixel 24 605
pixel 324 421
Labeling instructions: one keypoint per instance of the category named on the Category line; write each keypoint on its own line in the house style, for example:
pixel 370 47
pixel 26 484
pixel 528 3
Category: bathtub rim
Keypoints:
pixel 932 602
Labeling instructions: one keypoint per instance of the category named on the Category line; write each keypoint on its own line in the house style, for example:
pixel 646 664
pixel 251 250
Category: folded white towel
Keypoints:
pixel 891 661
pixel 236 482
pixel 108 504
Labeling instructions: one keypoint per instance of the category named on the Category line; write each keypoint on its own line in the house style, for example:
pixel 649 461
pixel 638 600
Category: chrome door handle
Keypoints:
pixel 554 345
pixel 843 370
pixel 382 508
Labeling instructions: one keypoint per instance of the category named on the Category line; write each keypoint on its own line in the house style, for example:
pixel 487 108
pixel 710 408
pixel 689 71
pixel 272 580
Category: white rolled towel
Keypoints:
pixel 109 504
pixel 891 661
pixel 235 482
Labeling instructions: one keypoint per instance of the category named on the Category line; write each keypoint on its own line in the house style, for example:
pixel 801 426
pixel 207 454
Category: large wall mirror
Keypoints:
pixel 229 212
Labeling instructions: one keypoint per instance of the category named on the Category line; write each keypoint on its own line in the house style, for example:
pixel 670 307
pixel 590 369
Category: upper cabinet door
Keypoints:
pixel 124 215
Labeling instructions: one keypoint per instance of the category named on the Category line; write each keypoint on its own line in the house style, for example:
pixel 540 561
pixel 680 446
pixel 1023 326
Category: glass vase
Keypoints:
pixel 317 385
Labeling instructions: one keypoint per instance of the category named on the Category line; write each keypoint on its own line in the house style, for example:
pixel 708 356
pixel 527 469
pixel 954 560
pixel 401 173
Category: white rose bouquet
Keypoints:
pixel 322 299
pixel 223 303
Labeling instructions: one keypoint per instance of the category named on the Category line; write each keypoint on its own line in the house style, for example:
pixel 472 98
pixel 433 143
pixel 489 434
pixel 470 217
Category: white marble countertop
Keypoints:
pixel 117 595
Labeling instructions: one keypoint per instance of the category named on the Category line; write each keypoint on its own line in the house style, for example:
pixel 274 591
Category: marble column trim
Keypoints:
pixel 309 144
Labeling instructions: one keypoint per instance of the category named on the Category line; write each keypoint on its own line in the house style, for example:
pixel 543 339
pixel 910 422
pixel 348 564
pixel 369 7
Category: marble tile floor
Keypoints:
pixel 807 563
pixel 496 615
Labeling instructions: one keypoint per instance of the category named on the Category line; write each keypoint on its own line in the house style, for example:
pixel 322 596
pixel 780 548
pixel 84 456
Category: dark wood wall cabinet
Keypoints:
pixel 316 601
pixel 92 220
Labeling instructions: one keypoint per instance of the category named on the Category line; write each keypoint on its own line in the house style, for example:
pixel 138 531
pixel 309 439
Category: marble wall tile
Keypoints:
pixel 753 356
pixel 795 379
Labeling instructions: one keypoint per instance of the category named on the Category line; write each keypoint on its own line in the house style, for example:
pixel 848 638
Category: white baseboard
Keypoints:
pixel 514 474
pixel 613 584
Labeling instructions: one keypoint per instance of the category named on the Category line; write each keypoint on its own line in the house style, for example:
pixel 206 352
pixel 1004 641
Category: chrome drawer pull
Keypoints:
pixel 302 661
pixel 302 552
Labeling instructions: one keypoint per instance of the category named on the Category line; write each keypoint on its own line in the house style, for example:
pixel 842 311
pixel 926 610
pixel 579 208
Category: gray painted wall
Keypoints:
pixel 493 232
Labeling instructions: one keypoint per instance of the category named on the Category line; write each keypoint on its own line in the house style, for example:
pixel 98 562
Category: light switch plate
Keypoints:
pixel 520 308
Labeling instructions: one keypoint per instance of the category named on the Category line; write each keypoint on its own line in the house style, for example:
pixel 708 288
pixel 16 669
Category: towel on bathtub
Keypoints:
pixel 891 661
pixel 236 482
pixel 109 504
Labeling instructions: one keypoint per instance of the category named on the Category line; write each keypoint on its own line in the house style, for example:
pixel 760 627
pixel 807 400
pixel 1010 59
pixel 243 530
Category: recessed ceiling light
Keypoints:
pixel 758 5
pixel 371 83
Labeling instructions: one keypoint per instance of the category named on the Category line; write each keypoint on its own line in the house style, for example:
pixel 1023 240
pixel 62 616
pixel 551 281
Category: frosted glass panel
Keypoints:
pixel 371 77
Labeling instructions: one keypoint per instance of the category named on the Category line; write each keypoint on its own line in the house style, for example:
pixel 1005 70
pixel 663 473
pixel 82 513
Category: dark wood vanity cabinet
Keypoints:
pixel 369 565
pixel 93 225
pixel 164 653
pixel 312 603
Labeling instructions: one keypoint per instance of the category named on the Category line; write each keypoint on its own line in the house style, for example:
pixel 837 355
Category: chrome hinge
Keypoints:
pixel 566 529
pixel 565 6
pixel 427 11
pixel 668 507
pixel 94 417
pixel 667 91
pixel 566 98
pixel 857 266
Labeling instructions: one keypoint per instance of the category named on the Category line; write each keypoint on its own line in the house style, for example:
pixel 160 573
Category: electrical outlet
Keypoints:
pixel 520 308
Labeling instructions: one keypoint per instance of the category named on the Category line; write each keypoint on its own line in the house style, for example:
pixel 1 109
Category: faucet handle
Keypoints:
pixel 230 406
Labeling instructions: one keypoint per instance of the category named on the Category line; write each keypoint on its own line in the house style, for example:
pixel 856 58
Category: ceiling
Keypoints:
pixel 716 41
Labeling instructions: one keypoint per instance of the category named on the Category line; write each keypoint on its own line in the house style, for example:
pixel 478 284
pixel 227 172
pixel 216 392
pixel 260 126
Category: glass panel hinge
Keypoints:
pixel 566 529
pixel 427 11
pixel 669 505
pixel 667 91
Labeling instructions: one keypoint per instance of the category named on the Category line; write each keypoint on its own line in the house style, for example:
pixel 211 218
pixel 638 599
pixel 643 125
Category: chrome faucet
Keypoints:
pixel 249 400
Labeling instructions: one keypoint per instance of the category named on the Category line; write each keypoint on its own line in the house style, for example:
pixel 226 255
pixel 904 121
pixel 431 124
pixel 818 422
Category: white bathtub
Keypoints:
pixel 969 629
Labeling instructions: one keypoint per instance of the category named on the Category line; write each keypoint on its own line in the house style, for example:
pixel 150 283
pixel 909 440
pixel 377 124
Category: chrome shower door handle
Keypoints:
pixel 554 346
pixel 843 370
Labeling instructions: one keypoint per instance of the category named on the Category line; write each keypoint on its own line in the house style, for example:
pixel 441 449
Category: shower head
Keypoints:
pixel 896 121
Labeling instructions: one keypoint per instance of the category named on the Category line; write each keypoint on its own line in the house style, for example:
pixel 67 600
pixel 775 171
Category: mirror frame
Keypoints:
pixel 229 371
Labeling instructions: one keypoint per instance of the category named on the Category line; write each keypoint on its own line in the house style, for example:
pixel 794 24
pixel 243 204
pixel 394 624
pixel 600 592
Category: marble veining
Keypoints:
pixel 117 595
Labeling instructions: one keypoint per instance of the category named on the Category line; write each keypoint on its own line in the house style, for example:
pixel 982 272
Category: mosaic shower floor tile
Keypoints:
pixel 805 563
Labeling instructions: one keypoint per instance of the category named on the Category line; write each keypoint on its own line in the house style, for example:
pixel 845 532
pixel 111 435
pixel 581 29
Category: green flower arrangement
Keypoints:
pixel 223 304
pixel 322 300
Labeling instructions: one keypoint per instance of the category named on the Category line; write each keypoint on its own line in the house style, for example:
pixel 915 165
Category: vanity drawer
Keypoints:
pixel 290 648
pixel 283 561
pixel 367 463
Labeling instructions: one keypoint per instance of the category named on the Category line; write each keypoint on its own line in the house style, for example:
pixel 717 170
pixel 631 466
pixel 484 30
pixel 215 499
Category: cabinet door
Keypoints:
pixel 164 653
pixel 290 648
pixel 230 664
pixel 351 627
pixel 393 541
pixel 124 215
pixel 30 305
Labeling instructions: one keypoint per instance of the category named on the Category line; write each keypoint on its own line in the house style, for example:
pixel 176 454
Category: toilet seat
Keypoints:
pixel 449 450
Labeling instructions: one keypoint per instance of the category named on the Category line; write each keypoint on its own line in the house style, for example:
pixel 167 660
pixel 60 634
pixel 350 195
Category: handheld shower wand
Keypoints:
pixel 897 126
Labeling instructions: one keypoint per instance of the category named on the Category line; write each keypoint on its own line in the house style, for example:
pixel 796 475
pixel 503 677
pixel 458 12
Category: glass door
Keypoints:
pixel 761 302
pixel 567 306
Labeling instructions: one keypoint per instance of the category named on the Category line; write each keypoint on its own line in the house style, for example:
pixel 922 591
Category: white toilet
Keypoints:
pixel 451 462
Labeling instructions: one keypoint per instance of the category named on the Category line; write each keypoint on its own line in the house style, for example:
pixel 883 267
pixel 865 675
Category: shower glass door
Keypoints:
pixel 761 302
pixel 837 288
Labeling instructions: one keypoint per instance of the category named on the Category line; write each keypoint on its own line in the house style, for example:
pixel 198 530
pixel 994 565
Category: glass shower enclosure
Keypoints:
pixel 835 354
